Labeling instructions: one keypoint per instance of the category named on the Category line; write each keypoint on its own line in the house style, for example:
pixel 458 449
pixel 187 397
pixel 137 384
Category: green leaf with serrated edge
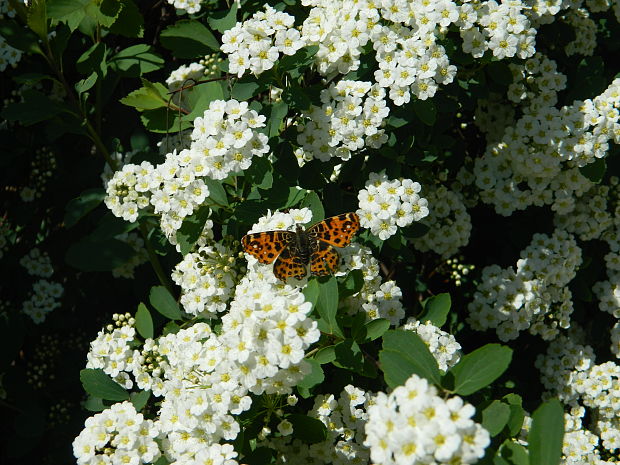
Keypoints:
pixel 312 201
pixel 495 417
pixel 326 355
pixel 72 12
pixel 316 376
pixel 189 38
pixel 94 404
pixel 311 292
pixel 404 354
pixel 514 453
pixel 376 328
pixel 148 97
pixel 79 207
pixel 223 20
pixel 19 37
pixel 37 18
pixel 546 433
pixel 517 414
pixel 34 108
pixel 139 399
pixel 436 310
pixel 480 368
pixel 109 11
pixel 130 23
pixel 99 384
pixel 144 322
pixel 352 284
pixel 217 193
pixel 90 255
pixel 136 60
pixel 93 59
pixel 426 111
pixel 164 303
pixel 86 84
pixel 307 429
pixel 327 305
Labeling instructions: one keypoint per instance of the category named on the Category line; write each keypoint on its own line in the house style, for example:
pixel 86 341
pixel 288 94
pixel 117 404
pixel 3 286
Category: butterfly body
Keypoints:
pixel 293 250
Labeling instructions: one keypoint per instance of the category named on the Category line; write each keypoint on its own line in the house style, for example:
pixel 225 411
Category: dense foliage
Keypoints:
pixel 473 318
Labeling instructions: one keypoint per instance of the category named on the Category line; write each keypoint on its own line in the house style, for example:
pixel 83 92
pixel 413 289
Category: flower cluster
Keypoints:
pixel 126 270
pixel 386 204
pixel 256 43
pixel 414 425
pixel 449 223
pixel 37 263
pixel 207 278
pixel 344 417
pixel 535 162
pixel 189 6
pixel 535 296
pixel 349 119
pixel 112 350
pixel 117 435
pixel 376 299
pixel 43 299
pixel 442 345
pixel 42 169
pixel 9 56
pixel 224 140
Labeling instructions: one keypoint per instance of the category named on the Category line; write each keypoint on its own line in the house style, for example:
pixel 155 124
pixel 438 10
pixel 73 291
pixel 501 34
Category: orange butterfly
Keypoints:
pixel 292 250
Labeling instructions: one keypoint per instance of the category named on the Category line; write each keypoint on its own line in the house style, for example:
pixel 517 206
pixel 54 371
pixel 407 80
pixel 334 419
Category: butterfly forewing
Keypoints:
pixel 266 246
pixel 336 230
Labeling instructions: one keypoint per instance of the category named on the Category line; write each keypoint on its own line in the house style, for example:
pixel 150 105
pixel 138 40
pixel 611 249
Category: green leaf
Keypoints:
pixel 139 399
pixel 164 120
pixel 594 171
pixel 136 60
pixel 296 64
pixel 307 429
pixel 86 84
pixel 201 95
pixel 164 303
pixel 327 306
pixel 403 354
pixel 480 368
pixel 279 111
pixel 148 97
pixel 144 322
pixel 376 328
pixel 94 404
pixel 517 414
pixel 352 284
pixel 71 12
pixel 130 23
pixel 499 72
pixel 249 86
pixel 316 376
pixel 349 356
pixel 79 207
pixel 35 108
pixel 495 417
pixel 426 111
pixel 326 355
pixel 436 310
pixel 223 20
pixel 217 193
pixel 311 292
pixel 37 18
pixel 91 255
pixel 189 39
pixel 546 433
pixel 20 38
pixel 296 97
pixel 312 201
pixel 109 11
pixel 93 59
pixel 192 228
pixel 514 453
pixel 99 384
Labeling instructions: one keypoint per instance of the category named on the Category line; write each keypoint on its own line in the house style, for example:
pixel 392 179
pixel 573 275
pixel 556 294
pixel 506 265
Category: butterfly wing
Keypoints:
pixel 336 230
pixel 289 265
pixel 267 246
pixel 324 260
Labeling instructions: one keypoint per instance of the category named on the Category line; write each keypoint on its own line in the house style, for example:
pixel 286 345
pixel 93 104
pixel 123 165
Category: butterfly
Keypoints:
pixel 291 250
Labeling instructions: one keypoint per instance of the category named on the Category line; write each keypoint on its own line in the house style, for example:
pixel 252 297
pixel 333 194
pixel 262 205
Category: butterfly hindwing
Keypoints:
pixel 266 246
pixel 336 230
pixel 324 260
pixel 289 266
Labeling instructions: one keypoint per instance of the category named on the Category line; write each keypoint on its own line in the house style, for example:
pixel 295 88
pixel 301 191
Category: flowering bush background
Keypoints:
pixel 474 318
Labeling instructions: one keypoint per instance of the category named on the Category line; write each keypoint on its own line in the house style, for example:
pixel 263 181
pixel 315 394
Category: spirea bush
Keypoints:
pixel 310 232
